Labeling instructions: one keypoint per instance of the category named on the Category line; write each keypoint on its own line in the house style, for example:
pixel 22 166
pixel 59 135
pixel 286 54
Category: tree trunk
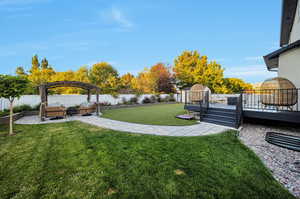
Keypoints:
pixel 11 119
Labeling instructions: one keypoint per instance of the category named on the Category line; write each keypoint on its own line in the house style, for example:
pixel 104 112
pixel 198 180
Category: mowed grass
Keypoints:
pixel 76 160
pixel 162 114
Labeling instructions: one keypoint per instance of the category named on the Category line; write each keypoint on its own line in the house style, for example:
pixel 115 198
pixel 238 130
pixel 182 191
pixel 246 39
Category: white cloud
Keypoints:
pixel 119 17
pixel 116 17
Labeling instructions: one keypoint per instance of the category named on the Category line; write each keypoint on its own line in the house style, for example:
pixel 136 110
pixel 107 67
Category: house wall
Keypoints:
pixel 295 33
pixel 289 66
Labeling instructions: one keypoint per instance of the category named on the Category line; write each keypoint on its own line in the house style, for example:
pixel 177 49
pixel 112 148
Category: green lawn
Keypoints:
pixel 163 114
pixel 76 160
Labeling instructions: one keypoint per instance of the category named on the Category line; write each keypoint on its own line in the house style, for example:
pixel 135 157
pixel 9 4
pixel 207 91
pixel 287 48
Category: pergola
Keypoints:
pixel 43 90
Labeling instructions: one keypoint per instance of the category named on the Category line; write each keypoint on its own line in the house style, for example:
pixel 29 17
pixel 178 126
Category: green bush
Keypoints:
pixel 36 107
pixel 124 101
pixel 134 100
pixel 21 108
pixel 158 98
pixel 3 113
pixel 105 104
pixel 146 100
pixel 153 99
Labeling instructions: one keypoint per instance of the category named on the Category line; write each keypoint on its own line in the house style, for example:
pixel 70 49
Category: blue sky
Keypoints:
pixel 133 34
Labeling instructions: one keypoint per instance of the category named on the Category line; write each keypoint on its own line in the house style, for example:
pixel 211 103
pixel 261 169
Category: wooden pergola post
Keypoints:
pixel 43 94
pixel 89 95
pixel 97 101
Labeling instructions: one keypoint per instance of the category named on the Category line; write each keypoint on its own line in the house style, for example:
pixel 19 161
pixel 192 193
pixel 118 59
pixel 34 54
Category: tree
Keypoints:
pixel 105 76
pixel 35 64
pixel 20 71
pixel 126 81
pixel 12 87
pixel 162 78
pixel 82 74
pixel 191 68
pixel 65 76
pixel 236 85
pixel 44 63
pixel 41 76
pixel 144 82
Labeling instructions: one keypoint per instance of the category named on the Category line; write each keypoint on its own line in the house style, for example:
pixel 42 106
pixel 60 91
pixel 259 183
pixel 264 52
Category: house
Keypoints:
pixel 286 60
pixel 271 103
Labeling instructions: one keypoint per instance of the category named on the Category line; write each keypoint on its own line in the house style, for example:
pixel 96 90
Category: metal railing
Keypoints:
pixel 198 98
pixel 204 104
pixel 239 111
pixel 273 100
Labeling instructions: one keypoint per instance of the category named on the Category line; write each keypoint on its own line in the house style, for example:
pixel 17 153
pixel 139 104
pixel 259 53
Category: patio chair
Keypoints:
pixel 87 108
pixel 55 111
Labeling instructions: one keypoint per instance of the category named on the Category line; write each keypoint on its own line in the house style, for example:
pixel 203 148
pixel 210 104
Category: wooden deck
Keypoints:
pixel 275 115
pixel 196 107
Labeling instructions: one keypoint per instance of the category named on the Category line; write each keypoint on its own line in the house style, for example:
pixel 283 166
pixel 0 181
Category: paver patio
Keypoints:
pixel 193 130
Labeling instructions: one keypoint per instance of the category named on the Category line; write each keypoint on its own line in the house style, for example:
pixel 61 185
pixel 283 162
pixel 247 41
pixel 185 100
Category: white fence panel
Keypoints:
pixel 72 100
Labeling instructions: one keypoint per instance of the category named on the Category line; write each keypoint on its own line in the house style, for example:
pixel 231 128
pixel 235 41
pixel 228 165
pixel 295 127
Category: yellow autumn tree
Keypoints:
pixel 191 68
pixel 65 76
pixel 39 75
pixel 105 76
pixel 236 85
pixel 144 82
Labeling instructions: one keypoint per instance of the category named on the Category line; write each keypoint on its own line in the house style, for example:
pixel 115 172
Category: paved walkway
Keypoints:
pixel 193 130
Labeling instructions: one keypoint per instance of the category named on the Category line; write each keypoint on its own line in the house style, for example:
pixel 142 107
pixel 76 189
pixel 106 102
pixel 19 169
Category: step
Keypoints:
pixel 219 122
pixel 221 117
pixel 220 112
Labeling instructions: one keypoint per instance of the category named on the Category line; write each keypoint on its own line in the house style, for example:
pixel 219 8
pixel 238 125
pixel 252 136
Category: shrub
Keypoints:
pixel 172 98
pixel 134 100
pixel 3 113
pixel 146 100
pixel 18 109
pixel 158 98
pixel 124 101
pixel 153 99
pixel 36 107
pixel 105 104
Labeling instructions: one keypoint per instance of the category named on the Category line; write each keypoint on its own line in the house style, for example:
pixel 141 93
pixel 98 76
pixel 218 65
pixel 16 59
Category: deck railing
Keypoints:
pixel 273 100
pixel 204 103
pixel 239 111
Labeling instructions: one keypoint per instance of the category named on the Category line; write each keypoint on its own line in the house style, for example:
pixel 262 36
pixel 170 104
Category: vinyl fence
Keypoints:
pixel 72 100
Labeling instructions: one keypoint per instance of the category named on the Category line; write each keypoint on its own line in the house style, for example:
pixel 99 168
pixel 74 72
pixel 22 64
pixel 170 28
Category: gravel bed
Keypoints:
pixel 283 163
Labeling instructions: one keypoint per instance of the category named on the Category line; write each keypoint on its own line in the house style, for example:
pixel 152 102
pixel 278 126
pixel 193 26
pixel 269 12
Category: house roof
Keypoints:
pixel 289 8
pixel 272 59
